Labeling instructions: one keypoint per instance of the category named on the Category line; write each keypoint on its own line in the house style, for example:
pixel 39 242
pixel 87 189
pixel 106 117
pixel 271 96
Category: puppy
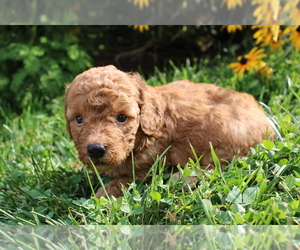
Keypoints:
pixel 116 121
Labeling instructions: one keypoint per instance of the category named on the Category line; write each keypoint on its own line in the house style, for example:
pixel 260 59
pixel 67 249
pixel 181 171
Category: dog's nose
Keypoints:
pixel 96 150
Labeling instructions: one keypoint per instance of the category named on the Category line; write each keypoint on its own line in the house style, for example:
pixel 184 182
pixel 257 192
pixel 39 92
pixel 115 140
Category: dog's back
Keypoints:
pixel 231 121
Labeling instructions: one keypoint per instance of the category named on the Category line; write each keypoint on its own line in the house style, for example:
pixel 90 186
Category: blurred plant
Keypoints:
pixel 37 62
pixel 232 4
pixel 268 35
pixel 293 7
pixel 295 37
pixel 267 11
pixel 141 3
pixel 141 28
pixel 232 28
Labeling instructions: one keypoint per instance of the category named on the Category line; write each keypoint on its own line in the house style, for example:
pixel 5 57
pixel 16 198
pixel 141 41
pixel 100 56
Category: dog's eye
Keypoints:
pixel 79 119
pixel 122 118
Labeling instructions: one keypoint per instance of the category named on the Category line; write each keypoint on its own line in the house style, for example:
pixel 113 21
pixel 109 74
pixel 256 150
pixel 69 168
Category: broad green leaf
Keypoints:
pixel 295 206
pixel 290 181
pixel 167 200
pixel 249 195
pixel 235 195
pixel 126 229
pixel 125 208
pixel 225 217
pixel 138 210
pixel 238 219
pixel 156 196
pixel 269 145
pixel 237 208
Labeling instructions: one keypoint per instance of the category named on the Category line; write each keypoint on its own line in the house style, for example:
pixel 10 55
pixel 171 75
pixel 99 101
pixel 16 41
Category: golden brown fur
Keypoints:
pixel 180 114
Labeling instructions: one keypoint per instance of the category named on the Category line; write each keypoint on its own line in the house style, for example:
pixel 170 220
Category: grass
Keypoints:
pixel 43 182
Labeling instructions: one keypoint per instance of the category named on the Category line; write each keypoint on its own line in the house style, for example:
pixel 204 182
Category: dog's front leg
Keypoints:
pixel 114 188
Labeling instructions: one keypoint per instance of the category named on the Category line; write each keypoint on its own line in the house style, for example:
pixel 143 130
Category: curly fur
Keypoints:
pixel 180 114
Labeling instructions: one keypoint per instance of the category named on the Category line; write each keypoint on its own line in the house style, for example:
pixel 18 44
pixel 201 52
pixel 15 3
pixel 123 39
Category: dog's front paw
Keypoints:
pixel 188 180
pixel 114 188
pixel 100 193
pixel 112 192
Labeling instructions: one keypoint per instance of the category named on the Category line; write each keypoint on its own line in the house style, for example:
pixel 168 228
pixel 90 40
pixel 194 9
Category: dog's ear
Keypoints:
pixel 66 107
pixel 151 111
pixel 150 103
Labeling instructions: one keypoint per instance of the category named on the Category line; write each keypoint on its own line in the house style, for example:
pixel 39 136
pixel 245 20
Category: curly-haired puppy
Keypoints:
pixel 115 119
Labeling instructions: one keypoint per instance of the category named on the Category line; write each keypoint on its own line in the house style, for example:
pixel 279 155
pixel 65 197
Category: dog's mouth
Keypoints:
pixel 101 166
pixel 98 163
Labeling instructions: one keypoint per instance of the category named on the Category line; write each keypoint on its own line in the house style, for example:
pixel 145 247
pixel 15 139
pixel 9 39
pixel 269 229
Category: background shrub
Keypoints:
pixel 36 62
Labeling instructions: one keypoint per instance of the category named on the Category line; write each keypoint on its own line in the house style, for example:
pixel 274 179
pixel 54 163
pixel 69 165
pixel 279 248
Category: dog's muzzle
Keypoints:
pixel 96 151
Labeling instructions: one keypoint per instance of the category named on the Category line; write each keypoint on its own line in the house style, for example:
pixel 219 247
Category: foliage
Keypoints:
pixel 36 63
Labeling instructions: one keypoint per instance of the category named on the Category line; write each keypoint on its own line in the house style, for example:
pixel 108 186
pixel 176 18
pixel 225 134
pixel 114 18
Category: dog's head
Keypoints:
pixel 104 108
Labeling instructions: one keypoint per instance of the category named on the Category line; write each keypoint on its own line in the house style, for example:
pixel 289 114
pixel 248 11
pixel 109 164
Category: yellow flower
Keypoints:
pixel 264 69
pixel 231 4
pixel 295 15
pixel 141 28
pixel 293 7
pixel 249 62
pixel 295 38
pixel 289 29
pixel 240 67
pixel 232 28
pixel 141 3
pixel 268 35
pixel 276 45
pixel 267 11
pixel 260 33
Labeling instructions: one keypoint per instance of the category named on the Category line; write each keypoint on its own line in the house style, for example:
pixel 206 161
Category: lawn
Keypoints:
pixel 44 183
